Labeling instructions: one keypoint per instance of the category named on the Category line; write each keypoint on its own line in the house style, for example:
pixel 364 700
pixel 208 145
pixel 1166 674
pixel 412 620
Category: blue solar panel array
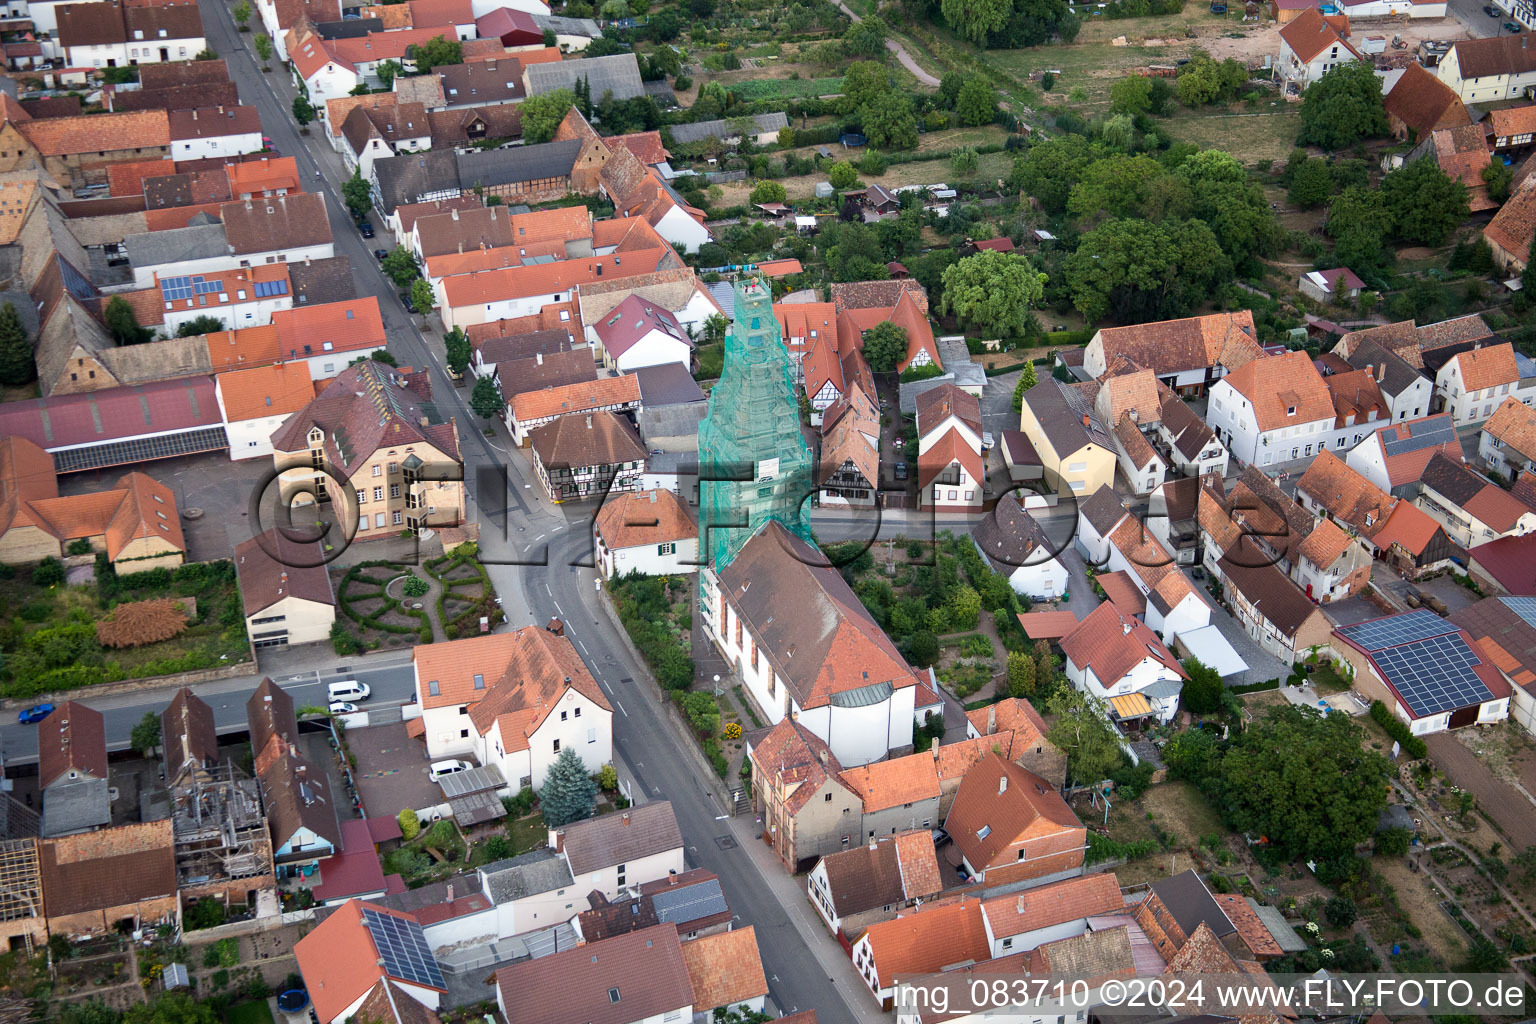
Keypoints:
pixel 1422 435
pixel 1525 607
pixel 173 289
pixel 266 289
pixel 1425 659
pixel 403 948
pixel 1398 629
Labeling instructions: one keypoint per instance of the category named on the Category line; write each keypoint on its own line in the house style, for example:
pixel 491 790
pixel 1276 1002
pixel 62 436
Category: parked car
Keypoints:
pixel 440 770
pixel 379 254
pixel 34 714
pixel 1492 11
pixel 901 471
pixel 1512 27
pixel 348 689
pixel 405 300
pixel 940 837
pixel 341 707
pixel 987 441
pixel 366 227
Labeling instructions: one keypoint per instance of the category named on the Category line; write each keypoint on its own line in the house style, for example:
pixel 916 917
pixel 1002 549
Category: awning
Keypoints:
pixel 416 727
pixel 1131 705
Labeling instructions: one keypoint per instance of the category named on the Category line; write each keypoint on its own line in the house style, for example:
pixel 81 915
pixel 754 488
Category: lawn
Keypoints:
pixel 255 1012
pixel 48 640
pixel 1266 133
pixel 526 833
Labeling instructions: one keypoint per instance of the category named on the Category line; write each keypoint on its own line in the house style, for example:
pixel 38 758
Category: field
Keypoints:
pixel 786 88
pixel 1251 137
pixel 254 1012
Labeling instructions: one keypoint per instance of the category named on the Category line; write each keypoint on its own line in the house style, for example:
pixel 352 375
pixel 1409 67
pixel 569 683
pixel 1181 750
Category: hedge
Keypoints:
pixel 390 604
pixel 1399 731
pixel 1102 848
pixel 1268 684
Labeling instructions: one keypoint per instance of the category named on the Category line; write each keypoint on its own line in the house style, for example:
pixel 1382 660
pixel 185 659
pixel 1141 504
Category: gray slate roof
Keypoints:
pixel 75 807
pixel 701 130
pixel 618 74
pixel 154 248
pixel 621 837
pixel 568 26
pixel 690 902
pixel 1060 410
pixel 526 874
pixel 520 163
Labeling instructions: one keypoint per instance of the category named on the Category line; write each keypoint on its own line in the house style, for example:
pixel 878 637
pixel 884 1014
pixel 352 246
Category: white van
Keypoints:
pixel 442 769
pixel 349 690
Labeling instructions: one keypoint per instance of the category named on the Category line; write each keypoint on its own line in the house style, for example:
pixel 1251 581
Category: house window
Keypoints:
pixel 378 492
pixel 666 549
pixel 591 735
pixel 362 496
pixel 577 714
pixel 398 519
pixel 557 746
pixel 828 799
pixel 394 490
pixel 378 470
pixel 564 715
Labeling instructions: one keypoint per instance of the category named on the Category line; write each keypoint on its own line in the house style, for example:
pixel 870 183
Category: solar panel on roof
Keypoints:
pixel 1421 436
pixel 1396 630
pixel 203 287
pixel 689 903
pixel 265 289
pixel 403 948
pixel 1434 675
pixel 1525 607
pixel 174 288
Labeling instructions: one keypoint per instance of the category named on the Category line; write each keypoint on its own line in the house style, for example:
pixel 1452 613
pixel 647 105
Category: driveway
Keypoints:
pixel 1261 664
pixel 391 770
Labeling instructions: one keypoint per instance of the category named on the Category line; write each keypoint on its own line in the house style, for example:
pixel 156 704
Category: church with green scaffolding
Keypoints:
pixel 754 464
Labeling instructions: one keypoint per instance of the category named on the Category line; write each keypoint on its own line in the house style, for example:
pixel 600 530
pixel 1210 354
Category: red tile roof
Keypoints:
pixel 1309 34
pixel 262 391
pixel 1001 804
pixel 1275 385
pixel 927 939
pixel 73 738
pixel 1112 642
pixel 112 133
pixel 351 326
pixel 1055 904
pixel 339 960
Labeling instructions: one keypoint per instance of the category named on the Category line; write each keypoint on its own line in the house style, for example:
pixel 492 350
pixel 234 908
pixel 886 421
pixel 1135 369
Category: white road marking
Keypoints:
pixel 557 606
pixel 548 591
pixel 579 643
pixel 626 715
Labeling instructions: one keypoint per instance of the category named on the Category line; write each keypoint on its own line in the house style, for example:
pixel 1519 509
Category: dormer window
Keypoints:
pixel 1290 410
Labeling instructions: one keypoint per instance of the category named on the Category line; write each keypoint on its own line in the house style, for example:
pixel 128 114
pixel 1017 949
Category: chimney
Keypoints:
pixel 538 358
pixel 1002 784
pixel 991 719
pixel 450 893
pixel 589 422
pixel 671 877
pixel 1085 420
pixel 1381 373
pixel 1125 628
pixel 423 421
pixel 626 817
pixel 823 755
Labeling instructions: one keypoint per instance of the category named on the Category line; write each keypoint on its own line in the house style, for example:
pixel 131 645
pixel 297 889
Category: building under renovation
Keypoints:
pixel 22 925
pixel 221 845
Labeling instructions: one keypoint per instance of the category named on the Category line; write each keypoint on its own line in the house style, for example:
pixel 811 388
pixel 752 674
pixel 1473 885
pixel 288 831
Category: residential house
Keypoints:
pixel 327 336
pixel 79 150
pixel 1076 452
pixel 1419 103
pixel 1358 407
pixel 1114 657
pixel 1014 544
pixel 1261 526
pixel 629 979
pixel 524 290
pixel 532 892
pixel 897 795
pixel 1395 529
pixel 72 770
pixel 803 325
pixel 1172 516
pixel 1504 631
pixel 529 410
pixel 277 16
pixel 275 229
pixel 544 702
pixel 1017 731
pixel 213 133
pixel 1471 384
pixel 637 334
pixel 1388 655
pixel 301 812
pixel 578 458
pixel 629 848
pixel 923 941
pixel 692 900
pixel 1189 445
pixel 1462 154
pixel 376 132
pixel 1274 409
pixel 188 736
pixel 1097 517
pixel 529 352
pixel 1406 391
pixel 725 971
pixel 1173 605
pixel 1340 284
pixel 951 474
pixel 1393 458
pixel 848 471
pixel 1017 923
pixel 909 311
pixel 1507 442
pixel 1472 509
pixel 365 948
pixel 111 35
pixel 1187 355
pixel 807 809
pixel 255 402
pixel 857 887
pixel 1010 825
pixel 374 448
pixel 521 175
pixel 639 191
pixel 453 678
pixel 96 882
pixel 285 590
pixel 1506 566
pixel 1512 128
pixel 1488 70
pixel 1271 609
pixel 820 659
pixel 651 532
pixel 135 523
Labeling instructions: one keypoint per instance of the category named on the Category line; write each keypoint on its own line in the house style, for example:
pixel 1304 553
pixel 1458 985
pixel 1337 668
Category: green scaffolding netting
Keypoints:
pixel 754 463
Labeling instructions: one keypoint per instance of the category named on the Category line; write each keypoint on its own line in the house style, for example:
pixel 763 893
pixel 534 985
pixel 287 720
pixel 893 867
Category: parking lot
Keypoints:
pixel 391 769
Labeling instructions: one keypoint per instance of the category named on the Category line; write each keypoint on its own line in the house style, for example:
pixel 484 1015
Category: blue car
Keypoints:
pixel 36 713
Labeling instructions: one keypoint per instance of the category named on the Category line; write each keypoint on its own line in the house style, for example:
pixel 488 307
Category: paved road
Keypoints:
pixel 518 525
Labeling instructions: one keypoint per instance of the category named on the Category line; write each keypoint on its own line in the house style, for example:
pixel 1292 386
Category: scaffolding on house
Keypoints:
pixel 219 827
pixel 21 887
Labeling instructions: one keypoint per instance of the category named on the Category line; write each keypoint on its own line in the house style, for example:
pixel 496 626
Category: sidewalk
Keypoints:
pixel 790 894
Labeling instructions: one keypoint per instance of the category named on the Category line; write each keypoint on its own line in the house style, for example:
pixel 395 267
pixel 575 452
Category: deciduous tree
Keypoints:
pixel 993 292
pixel 1202 691
pixel 1083 733
pixel 542 114
pixel 1343 107
pixel 456 351
pixel 1311 184
pixel 421 297
pixel 485 400
pixel 303 111
pixel 889 121
pixel 975 20
pixel 885 345
pixel 437 52
pixel 1359 224
pixel 768 192
pixel 843 176
pixel 401 266
pixel 263 44
pixel 977 102
pixel 1425 204
pixel 123 323
pixel 145 736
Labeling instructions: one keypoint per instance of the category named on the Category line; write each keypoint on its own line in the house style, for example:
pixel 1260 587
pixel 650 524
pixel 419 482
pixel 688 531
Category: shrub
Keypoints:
pixel 608 779
pixel 415 587
pixel 48 573
pixel 1399 731
pixel 142 622
pixel 79 546
pixel 410 824
pixel 498 848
